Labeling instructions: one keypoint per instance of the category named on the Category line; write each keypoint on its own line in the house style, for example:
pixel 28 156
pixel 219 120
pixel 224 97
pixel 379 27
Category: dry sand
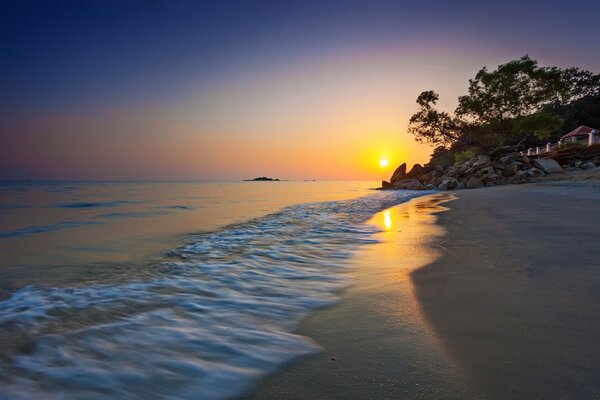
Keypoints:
pixel 505 305
pixel 516 297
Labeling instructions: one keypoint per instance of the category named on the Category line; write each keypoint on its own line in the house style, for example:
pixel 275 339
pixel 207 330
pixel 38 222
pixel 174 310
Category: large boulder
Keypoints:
pixel 416 171
pixel 436 181
pixel 482 162
pixel 548 165
pixel 534 172
pixel 474 183
pixel 448 184
pixel 408 184
pixel 509 158
pixel 386 185
pixel 510 170
pixel 399 173
pixel 588 165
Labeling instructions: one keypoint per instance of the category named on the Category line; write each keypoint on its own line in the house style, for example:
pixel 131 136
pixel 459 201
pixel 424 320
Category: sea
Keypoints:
pixel 169 290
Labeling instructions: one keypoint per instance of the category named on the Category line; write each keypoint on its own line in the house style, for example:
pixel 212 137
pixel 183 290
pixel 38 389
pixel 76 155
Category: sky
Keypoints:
pixel 226 90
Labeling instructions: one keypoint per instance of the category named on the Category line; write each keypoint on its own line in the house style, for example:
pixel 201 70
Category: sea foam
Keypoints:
pixel 207 323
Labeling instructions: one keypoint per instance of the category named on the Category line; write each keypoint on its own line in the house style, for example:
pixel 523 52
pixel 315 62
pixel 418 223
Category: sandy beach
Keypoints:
pixel 484 294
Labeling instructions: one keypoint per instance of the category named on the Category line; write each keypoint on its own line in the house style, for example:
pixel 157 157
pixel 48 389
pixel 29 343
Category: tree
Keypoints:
pixel 517 100
pixel 495 98
pixel 565 86
pixel 541 125
pixel 432 126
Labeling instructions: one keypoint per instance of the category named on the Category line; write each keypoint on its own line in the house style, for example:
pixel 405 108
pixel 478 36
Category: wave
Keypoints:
pixel 36 229
pixel 207 323
pixel 96 204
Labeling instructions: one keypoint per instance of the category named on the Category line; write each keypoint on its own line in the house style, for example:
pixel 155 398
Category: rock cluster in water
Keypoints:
pixel 478 172
pixel 262 178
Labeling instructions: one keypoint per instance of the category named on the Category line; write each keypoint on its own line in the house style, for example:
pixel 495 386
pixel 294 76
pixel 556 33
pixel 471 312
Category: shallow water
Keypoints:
pixel 205 320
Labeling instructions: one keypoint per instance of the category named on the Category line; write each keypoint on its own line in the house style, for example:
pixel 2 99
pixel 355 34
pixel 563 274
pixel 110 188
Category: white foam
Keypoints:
pixel 206 325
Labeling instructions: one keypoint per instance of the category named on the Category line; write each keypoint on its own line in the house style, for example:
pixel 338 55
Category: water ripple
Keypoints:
pixel 206 324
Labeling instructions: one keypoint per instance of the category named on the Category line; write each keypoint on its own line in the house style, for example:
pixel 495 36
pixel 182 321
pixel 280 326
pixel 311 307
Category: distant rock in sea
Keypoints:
pixel 262 178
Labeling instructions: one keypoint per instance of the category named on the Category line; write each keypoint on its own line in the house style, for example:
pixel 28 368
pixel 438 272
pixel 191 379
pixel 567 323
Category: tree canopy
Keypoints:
pixel 517 100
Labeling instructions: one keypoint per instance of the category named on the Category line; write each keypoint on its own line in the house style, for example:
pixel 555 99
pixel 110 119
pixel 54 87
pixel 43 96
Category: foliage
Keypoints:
pixel 432 126
pixel 463 157
pixel 583 111
pixel 540 124
pixel 518 100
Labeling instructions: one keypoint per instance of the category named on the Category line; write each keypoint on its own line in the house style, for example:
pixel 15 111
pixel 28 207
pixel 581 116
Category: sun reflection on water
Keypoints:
pixel 387 220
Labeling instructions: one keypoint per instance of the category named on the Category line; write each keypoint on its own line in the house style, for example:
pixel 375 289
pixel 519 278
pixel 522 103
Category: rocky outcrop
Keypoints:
pixel 416 171
pixel 481 171
pixel 399 173
pixel 409 184
pixel 548 165
pixel 477 172
pixel 474 183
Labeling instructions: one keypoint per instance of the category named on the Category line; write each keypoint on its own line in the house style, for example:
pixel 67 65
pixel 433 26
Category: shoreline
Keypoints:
pixel 504 305
pixel 375 342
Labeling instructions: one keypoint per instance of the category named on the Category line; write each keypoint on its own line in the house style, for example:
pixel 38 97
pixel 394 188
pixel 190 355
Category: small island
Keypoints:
pixel 262 179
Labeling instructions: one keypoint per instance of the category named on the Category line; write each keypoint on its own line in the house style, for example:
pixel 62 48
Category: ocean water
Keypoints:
pixel 168 290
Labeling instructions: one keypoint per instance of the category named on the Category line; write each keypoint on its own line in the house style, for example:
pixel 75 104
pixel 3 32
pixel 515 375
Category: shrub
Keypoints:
pixel 463 157
pixel 572 144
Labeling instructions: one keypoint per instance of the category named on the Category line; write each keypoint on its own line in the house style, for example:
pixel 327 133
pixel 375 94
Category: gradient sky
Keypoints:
pixel 230 90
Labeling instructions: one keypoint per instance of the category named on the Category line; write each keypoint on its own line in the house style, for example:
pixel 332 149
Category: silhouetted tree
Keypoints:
pixel 517 100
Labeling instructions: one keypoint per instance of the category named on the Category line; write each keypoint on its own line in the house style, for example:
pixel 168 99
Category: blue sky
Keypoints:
pixel 86 61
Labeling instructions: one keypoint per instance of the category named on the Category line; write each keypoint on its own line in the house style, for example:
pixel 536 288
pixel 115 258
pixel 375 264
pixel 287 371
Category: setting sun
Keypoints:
pixel 383 162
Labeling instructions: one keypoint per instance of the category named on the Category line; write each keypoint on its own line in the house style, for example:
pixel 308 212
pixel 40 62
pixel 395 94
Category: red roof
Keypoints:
pixel 581 131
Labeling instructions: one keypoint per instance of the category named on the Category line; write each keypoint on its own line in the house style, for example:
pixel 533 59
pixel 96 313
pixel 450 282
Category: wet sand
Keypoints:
pixel 376 344
pixel 504 305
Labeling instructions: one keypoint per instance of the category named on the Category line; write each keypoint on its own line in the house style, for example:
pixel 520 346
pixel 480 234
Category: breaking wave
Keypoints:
pixel 207 323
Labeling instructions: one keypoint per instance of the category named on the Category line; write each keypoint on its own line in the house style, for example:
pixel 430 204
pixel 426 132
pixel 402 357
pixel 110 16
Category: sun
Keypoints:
pixel 383 162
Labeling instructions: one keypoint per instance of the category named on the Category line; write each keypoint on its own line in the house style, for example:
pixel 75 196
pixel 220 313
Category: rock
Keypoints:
pixel 408 184
pixel 588 165
pixel 452 172
pixel 474 183
pixel 428 177
pixel 577 163
pixel 416 171
pixel 488 170
pixel 460 186
pixel 448 183
pixel 430 186
pixel 482 162
pixel 437 181
pixel 510 170
pixel 534 172
pixel 510 158
pixel 520 175
pixel 485 179
pixel 548 165
pixel 451 183
pixel 386 185
pixel 399 173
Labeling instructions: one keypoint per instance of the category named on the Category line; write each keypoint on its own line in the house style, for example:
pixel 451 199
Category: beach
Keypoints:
pixel 484 294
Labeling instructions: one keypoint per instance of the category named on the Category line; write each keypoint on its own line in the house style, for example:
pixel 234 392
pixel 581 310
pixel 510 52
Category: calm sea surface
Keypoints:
pixel 178 290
